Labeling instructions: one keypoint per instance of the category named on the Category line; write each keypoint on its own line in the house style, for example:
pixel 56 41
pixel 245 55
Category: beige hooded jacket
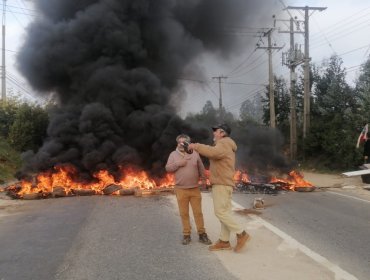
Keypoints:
pixel 222 160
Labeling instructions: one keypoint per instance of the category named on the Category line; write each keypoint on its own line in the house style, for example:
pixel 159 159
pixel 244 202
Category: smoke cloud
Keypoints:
pixel 260 151
pixel 114 67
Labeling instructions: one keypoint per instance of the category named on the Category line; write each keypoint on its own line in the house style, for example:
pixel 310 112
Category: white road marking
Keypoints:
pixel 339 273
pixel 360 199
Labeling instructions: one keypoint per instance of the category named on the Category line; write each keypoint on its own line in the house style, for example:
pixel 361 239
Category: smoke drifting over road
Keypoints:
pixel 260 151
pixel 114 66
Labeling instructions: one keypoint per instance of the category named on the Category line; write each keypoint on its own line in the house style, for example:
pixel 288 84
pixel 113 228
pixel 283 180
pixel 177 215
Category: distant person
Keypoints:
pixel 222 170
pixel 188 169
pixel 367 149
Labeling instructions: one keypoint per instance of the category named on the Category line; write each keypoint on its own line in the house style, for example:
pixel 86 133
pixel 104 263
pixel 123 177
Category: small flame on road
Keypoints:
pixel 293 181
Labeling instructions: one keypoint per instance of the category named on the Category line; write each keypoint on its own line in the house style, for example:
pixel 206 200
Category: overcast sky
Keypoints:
pixel 342 29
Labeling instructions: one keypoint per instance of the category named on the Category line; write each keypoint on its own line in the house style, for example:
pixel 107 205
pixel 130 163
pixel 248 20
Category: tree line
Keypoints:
pixel 339 111
pixel 22 124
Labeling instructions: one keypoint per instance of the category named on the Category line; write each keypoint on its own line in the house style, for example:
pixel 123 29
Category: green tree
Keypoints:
pixel 8 111
pixel 210 116
pixel 29 127
pixel 251 110
pixel 330 142
pixel 363 93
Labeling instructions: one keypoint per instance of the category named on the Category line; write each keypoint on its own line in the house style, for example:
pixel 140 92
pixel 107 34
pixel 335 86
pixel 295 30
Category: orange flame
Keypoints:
pixel 241 176
pixel 294 180
pixel 62 176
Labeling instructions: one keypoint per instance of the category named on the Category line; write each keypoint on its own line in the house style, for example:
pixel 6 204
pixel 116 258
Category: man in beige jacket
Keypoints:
pixel 222 169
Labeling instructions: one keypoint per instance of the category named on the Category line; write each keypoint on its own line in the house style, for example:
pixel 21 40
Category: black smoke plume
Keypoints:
pixel 114 66
pixel 261 151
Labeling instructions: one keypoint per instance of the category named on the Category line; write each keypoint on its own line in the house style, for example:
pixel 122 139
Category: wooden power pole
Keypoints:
pixel 271 76
pixel 307 93
pixel 3 70
pixel 219 78
pixel 292 59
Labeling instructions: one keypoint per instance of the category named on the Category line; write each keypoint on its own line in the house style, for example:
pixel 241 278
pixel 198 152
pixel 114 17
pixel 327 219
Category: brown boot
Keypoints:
pixel 203 238
pixel 220 245
pixel 241 239
pixel 186 240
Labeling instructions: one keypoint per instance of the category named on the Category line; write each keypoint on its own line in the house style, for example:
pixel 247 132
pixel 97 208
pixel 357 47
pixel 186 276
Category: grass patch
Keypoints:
pixel 10 161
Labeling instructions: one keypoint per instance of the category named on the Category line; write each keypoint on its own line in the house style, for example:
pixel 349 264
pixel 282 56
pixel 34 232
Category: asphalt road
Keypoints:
pixel 335 226
pixel 104 237
pixel 101 238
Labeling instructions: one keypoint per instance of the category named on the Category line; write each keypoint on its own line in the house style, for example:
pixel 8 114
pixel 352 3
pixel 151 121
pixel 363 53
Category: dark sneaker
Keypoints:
pixel 241 239
pixel 220 245
pixel 203 238
pixel 186 240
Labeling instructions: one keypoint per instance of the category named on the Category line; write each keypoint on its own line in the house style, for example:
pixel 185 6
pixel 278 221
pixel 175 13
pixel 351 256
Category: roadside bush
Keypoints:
pixel 29 127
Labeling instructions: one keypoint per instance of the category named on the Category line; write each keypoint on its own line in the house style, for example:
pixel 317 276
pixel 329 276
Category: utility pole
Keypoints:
pixel 3 71
pixel 219 78
pixel 292 59
pixel 271 76
pixel 307 93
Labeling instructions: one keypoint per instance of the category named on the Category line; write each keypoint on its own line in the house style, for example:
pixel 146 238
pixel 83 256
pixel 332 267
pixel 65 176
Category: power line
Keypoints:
pixel 206 83
pixel 226 83
pixel 17 12
pixel 248 71
pixel 326 39
pixel 251 94
pixel 342 22
pixel 21 8
pixel 244 61
pixel 341 34
pixel 14 80
pixel 20 23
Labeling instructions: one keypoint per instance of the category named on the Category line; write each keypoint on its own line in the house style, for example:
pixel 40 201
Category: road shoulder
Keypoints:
pixel 268 255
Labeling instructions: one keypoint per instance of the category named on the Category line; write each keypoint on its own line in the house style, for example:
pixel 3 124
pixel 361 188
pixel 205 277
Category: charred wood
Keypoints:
pixel 31 196
pixel 83 192
pixel 59 192
pixel 305 189
pixel 248 187
pixel 124 192
pixel 111 189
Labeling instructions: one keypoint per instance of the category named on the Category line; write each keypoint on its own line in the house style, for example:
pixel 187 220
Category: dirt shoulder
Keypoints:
pixel 322 180
pixel 352 186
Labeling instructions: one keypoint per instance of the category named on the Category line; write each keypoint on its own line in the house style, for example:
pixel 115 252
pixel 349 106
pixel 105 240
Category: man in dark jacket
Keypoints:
pixel 367 148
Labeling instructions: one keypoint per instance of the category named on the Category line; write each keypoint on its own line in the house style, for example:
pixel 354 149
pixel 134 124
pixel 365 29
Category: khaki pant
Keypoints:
pixel 192 196
pixel 222 207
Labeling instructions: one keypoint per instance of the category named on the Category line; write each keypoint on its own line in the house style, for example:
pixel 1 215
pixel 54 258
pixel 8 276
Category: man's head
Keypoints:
pixel 220 131
pixel 180 141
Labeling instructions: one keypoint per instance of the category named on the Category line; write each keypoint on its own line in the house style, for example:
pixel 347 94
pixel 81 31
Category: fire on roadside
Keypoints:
pixel 62 178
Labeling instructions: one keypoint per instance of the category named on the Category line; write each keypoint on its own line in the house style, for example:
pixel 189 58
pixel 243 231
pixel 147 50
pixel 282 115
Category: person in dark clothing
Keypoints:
pixel 367 149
